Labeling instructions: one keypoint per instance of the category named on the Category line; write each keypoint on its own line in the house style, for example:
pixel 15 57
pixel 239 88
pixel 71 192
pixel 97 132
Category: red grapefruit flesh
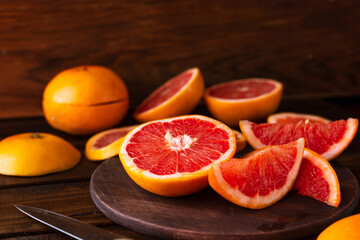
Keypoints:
pixel 172 157
pixel 289 117
pixel 327 139
pixel 261 178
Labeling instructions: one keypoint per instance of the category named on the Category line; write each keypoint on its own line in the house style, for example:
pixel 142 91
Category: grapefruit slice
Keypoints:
pixel 240 141
pixel 327 139
pixel 252 99
pixel 177 96
pixel 317 179
pixel 290 117
pixel 106 144
pixel 261 178
pixel 172 157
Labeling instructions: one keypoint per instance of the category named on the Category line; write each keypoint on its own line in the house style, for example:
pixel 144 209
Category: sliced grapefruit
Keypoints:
pixel 240 140
pixel 317 179
pixel 106 144
pixel 290 117
pixel 172 157
pixel 177 96
pixel 251 99
pixel 327 139
pixel 261 178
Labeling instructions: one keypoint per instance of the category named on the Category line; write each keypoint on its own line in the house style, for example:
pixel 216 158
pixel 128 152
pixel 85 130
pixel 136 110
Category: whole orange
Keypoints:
pixel 85 99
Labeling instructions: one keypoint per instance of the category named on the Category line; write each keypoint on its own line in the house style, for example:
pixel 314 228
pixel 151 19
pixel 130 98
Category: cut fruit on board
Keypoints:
pixel 261 178
pixel 290 117
pixel 178 96
pixel 106 144
pixel 317 179
pixel 251 99
pixel 240 141
pixel 327 139
pixel 172 157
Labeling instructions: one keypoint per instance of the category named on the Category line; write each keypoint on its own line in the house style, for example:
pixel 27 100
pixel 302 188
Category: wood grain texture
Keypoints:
pixel 311 46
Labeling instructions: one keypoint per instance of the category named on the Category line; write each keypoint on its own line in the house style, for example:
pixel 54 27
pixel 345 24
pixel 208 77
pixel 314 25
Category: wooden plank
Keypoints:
pixel 312 47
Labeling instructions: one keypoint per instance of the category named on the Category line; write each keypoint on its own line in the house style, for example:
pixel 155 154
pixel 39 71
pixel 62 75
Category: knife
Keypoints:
pixel 70 226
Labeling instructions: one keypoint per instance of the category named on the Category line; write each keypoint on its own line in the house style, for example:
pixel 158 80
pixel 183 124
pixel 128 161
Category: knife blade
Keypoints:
pixel 70 226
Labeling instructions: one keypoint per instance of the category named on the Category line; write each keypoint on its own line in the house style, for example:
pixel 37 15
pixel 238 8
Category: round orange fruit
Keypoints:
pixel 34 154
pixel 177 96
pixel 346 228
pixel 85 100
pixel 246 99
pixel 172 157
pixel 260 178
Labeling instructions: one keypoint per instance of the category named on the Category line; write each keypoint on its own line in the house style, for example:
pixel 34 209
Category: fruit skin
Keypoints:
pixel 346 228
pixel 181 103
pixel 221 186
pixel 85 99
pixel 176 184
pixel 255 109
pixel 34 154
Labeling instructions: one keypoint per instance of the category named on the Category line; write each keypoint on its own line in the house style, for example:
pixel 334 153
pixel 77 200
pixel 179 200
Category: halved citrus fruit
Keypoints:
pixel 317 179
pixel 106 144
pixel 172 157
pixel 261 178
pixel 34 154
pixel 346 228
pixel 240 140
pixel 290 117
pixel 251 99
pixel 327 139
pixel 178 96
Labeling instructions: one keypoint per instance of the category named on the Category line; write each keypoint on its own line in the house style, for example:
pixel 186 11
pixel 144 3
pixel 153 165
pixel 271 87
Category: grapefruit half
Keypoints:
pixel 327 139
pixel 172 157
pixel 261 178
pixel 177 96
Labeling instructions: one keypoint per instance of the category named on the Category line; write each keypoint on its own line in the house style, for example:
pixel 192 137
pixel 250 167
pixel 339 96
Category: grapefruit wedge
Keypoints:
pixel 252 99
pixel 172 157
pixel 327 139
pixel 106 144
pixel 261 178
pixel 240 141
pixel 317 179
pixel 290 117
pixel 177 96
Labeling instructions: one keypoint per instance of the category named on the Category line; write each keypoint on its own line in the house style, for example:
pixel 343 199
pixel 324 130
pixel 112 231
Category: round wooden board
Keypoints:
pixel 206 215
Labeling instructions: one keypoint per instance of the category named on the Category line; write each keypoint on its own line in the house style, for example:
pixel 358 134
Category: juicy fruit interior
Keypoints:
pixel 166 91
pixel 178 146
pixel 109 138
pixel 242 89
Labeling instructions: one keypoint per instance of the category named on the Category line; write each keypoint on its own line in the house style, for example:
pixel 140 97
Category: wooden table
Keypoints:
pixel 68 192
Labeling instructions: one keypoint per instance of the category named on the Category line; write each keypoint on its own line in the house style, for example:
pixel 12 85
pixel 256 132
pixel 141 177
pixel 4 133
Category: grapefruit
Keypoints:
pixel 261 178
pixel 290 117
pixel 252 99
pixel 327 139
pixel 172 157
pixel 240 141
pixel 177 96
pixel 35 154
pixel 85 99
pixel 106 144
pixel 346 228
pixel 317 179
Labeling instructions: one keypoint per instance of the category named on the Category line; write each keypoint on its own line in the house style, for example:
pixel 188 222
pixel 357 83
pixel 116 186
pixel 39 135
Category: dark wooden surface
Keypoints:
pixel 69 192
pixel 213 217
pixel 312 44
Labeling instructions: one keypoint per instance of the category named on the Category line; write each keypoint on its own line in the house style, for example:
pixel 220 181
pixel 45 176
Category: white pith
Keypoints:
pixel 179 142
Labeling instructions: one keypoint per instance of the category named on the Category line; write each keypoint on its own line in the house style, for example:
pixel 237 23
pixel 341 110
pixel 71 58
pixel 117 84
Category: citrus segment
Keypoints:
pixel 178 96
pixel 317 179
pixel 327 139
pixel 240 141
pixel 346 228
pixel 289 117
pixel 251 99
pixel 34 154
pixel 106 144
pixel 261 178
pixel 172 157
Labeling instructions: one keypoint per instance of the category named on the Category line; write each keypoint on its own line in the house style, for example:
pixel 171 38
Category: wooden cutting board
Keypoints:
pixel 206 215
